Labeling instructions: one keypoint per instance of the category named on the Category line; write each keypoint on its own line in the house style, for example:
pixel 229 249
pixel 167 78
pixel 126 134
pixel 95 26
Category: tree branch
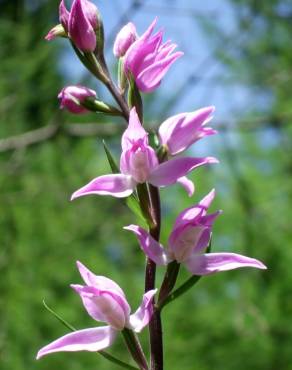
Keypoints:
pixel 52 130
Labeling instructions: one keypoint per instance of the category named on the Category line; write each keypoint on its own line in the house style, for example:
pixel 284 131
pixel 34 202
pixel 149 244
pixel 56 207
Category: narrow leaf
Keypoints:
pixel 110 158
pixel 58 317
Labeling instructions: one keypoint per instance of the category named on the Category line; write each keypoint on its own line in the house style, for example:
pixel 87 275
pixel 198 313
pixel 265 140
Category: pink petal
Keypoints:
pixel 149 30
pixel 204 241
pixel 196 212
pixel 136 53
pixel 151 77
pixel 183 240
pixel 116 185
pixel 208 220
pixel 91 13
pixel 210 263
pixel 63 15
pixel 92 340
pixel 124 39
pixel 150 246
pixel 100 282
pixel 143 315
pixel 138 162
pixel 80 29
pixel 169 172
pixel 104 305
pixel 51 35
pixel 187 184
pixel 180 131
pixel 165 50
pixel 208 199
pixel 134 132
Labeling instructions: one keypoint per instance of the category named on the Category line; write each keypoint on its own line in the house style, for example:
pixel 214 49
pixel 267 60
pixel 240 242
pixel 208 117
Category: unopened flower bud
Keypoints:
pixel 73 97
pixel 125 38
pixel 83 24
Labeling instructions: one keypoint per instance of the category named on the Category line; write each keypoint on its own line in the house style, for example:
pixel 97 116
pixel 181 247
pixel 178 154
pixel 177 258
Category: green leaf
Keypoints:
pixel 133 203
pixel 110 158
pixel 58 317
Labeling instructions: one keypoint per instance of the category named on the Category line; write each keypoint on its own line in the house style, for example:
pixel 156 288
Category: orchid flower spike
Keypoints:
pixel 188 242
pixel 81 23
pixel 139 164
pixel 104 301
pixel 72 97
pixel 148 59
pixel 179 132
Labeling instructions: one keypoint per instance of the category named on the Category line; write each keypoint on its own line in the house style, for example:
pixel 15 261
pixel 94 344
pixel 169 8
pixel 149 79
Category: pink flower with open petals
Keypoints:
pixel 179 132
pixel 139 164
pixel 188 242
pixel 148 59
pixel 104 301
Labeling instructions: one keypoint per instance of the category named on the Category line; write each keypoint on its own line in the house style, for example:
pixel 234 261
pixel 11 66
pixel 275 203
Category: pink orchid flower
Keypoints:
pixel 139 164
pixel 148 59
pixel 179 132
pixel 188 242
pixel 81 23
pixel 104 301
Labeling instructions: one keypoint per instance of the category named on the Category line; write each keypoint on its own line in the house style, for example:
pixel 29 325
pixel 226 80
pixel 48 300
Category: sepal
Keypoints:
pixel 134 97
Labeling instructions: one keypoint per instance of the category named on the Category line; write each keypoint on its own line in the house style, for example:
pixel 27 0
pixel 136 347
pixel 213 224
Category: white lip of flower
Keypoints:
pixel 139 166
pixel 186 241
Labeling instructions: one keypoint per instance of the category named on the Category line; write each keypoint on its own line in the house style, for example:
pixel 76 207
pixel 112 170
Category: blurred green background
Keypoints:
pixel 235 320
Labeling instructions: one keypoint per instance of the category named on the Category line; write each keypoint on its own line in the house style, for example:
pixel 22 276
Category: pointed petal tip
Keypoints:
pixel 131 228
pixel 76 195
pixel 261 265
pixel 75 287
pixel 213 192
pixel 212 160
pixel 79 264
pixel 48 37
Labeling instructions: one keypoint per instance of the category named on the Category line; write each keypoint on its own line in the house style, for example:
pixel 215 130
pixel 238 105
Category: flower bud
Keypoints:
pixel 72 98
pixel 83 24
pixel 125 38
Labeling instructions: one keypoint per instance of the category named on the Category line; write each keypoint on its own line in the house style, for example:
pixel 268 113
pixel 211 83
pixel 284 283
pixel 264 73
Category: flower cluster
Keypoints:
pixel 143 169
